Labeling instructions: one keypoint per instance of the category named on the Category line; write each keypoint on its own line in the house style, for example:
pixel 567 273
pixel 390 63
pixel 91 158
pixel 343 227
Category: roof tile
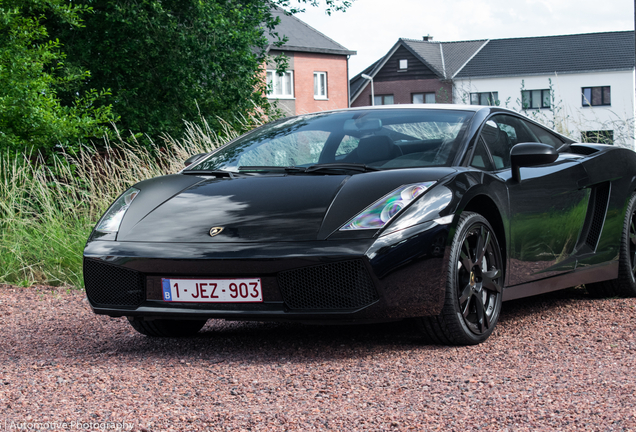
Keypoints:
pixel 304 38
pixel 553 54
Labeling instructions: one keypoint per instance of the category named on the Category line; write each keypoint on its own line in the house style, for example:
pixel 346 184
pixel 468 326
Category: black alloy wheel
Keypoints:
pixel 473 286
pixel 625 284
pixel 631 244
pixel 478 274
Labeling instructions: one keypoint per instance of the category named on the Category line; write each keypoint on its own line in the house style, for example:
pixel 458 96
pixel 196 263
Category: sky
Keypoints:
pixel 372 27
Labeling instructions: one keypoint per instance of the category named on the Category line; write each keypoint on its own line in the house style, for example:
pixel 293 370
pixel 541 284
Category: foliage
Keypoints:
pixel 330 5
pixel 48 212
pixel 32 70
pixel 166 61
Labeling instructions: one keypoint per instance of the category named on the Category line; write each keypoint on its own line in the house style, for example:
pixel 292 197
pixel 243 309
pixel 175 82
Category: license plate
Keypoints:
pixel 212 290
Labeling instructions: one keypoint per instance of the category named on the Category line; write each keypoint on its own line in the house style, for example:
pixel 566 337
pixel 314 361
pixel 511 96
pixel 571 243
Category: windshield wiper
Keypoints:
pixel 216 173
pixel 316 168
pixel 289 169
pixel 342 166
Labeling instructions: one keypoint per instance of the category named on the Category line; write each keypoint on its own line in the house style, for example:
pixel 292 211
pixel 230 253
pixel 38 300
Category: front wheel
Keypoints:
pixel 167 328
pixel 473 286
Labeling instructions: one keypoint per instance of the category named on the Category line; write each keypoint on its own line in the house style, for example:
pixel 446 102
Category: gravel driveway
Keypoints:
pixel 560 361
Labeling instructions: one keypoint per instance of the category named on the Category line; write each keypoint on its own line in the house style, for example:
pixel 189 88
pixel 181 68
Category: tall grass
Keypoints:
pixel 48 211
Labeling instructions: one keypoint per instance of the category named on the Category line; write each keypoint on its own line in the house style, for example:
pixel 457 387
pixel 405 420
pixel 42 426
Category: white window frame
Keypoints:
pixel 317 95
pixel 277 89
pixel 403 64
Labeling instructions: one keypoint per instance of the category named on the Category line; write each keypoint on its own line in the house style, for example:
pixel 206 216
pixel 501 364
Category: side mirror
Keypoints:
pixel 192 159
pixel 530 154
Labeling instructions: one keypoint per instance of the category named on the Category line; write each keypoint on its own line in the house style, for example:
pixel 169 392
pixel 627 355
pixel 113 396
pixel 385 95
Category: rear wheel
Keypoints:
pixel 473 286
pixel 167 328
pixel 625 284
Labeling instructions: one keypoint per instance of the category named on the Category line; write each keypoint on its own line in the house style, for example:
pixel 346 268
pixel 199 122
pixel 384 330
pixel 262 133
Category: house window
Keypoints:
pixel 599 136
pixel 404 64
pixel 595 96
pixel 320 85
pixel 535 99
pixel 486 98
pixel 383 100
pixel 280 86
pixel 419 98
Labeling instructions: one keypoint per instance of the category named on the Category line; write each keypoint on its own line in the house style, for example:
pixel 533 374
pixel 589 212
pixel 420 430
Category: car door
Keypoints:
pixel 547 207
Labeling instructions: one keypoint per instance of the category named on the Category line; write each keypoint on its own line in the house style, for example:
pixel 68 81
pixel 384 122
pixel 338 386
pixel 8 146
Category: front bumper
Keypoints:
pixel 398 276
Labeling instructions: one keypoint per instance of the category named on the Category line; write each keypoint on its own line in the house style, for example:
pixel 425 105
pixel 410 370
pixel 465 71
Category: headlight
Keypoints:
pixel 386 208
pixel 112 219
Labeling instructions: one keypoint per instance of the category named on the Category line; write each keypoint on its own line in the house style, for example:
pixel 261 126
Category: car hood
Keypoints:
pixel 261 208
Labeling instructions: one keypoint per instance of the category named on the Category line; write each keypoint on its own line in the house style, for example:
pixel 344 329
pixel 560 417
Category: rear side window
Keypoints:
pixel 545 137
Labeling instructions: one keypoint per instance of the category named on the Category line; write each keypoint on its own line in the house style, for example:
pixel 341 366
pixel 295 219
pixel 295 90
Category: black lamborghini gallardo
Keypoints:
pixel 436 214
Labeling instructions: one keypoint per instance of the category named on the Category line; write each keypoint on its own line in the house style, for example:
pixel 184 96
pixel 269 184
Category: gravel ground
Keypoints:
pixel 556 362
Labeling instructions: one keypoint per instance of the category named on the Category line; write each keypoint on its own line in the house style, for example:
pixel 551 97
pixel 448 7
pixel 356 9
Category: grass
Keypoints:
pixel 48 211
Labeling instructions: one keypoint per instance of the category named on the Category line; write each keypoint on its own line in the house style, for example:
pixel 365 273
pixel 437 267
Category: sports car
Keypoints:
pixel 436 214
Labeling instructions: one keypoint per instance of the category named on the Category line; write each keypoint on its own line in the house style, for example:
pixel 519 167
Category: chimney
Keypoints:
pixel 427 38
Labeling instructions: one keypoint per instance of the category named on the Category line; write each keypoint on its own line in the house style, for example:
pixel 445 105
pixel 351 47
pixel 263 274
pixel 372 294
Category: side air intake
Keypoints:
pixel 595 217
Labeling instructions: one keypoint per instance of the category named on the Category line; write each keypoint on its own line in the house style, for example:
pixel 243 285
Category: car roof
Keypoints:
pixel 454 107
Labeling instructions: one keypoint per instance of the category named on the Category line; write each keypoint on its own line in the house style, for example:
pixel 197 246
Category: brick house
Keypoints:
pixel 413 71
pixel 317 78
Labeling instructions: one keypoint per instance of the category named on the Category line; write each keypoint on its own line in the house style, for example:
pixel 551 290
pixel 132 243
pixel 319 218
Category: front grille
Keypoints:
pixel 341 285
pixel 110 285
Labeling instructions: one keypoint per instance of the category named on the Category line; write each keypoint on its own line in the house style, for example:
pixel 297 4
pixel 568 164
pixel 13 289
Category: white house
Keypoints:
pixel 582 85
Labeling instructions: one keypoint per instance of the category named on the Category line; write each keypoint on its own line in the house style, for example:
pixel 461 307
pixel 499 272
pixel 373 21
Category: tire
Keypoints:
pixel 625 284
pixel 473 289
pixel 167 328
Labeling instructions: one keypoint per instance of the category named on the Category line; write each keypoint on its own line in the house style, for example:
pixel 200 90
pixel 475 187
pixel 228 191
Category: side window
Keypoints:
pixel 511 132
pixel 502 132
pixel 545 137
pixel 481 160
pixel 498 142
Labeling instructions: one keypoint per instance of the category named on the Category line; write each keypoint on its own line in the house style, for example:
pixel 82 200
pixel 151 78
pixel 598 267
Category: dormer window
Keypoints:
pixel 404 64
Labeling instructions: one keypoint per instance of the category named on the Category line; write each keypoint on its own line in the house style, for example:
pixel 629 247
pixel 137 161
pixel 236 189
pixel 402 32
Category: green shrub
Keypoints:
pixel 32 70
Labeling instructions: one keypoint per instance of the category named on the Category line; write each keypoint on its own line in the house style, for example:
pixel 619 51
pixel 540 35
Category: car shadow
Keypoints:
pixel 275 342
pixel 515 309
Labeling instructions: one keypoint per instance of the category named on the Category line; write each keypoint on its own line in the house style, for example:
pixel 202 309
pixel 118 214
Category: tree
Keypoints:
pixel 167 61
pixel 32 71
pixel 68 68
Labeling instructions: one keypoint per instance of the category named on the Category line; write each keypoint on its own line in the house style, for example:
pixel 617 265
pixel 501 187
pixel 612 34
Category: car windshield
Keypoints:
pixel 376 139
